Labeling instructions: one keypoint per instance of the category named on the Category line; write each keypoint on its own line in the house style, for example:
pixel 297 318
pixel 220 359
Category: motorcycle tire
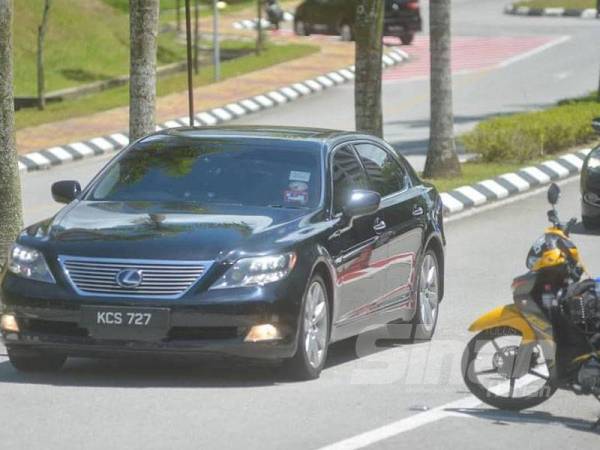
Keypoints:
pixel 482 393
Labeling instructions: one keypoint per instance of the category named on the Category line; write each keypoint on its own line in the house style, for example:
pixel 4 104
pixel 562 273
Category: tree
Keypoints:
pixel 11 219
pixel 259 26
pixel 41 81
pixel 369 51
pixel 442 160
pixel 196 36
pixel 143 23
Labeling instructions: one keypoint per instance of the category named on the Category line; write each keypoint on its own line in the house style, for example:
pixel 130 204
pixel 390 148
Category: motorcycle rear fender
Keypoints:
pixel 505 316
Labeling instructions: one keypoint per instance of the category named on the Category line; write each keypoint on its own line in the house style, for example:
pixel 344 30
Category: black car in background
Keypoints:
pixel 590 186
pixel 265 243
pixel 402 18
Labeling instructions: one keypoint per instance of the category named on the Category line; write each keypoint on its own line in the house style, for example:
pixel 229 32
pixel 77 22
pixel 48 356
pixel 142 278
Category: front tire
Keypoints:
pixel 313 337
pixel 504 364
pixel 428 295
pixel 346 33
pixel 590 224
pixel 33 361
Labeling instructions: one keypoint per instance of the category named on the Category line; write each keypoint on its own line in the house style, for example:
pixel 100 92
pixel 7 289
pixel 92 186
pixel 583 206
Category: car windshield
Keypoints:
pixel 259 173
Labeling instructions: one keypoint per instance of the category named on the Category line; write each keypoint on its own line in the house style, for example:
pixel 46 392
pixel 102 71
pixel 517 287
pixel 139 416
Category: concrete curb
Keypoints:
pixel 589 13
pixel 44 159
pixel 511 184
pixel 250 24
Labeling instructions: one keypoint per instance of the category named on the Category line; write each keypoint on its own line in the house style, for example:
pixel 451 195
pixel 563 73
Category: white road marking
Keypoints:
pixel 563 75
pixel 534 52
pixel 418 420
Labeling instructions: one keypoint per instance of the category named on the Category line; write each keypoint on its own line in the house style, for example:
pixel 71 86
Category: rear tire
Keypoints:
pixel 34 361
pixel 301 28
pixel 428 295
pixel 407 38
pixel 313 336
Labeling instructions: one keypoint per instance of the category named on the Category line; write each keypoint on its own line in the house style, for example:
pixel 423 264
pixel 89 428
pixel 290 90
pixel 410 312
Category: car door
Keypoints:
pixel 356 247
pixel 404 213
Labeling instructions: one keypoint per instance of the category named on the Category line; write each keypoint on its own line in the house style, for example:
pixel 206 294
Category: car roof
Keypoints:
pixel 315 135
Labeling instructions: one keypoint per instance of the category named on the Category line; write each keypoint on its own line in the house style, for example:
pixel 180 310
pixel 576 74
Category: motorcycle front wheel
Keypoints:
pixel 491 372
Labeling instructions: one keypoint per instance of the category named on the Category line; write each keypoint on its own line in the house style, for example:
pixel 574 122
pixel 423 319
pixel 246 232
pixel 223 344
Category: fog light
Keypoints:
pixel 265 332
pixel 9 323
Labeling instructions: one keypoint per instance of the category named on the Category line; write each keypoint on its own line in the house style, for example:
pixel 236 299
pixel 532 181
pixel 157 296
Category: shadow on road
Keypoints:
pixel 499 417
pixel 176 372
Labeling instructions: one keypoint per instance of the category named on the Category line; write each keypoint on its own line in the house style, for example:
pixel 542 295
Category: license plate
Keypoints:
pixel 101 317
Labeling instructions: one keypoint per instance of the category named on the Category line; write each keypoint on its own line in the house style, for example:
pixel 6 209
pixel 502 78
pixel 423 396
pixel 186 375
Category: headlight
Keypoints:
pixel 591 197
pixel 29 263
pixel 594 163
pixel 257 271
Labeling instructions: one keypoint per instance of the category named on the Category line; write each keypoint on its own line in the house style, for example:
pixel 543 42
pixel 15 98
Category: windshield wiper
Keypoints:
pixel 286 207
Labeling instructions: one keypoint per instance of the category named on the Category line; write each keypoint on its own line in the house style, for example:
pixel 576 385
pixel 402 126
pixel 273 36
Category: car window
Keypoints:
pixel 386 176
pixel 347 175
pixel 214 172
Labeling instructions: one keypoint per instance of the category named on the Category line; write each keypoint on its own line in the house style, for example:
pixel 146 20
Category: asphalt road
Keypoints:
pixel 413 391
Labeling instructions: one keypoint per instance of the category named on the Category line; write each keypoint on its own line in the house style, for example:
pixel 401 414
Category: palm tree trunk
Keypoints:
pixel 11 219
pixel 442 160
pixel 143 22
pixel 41 81
pixel 368 33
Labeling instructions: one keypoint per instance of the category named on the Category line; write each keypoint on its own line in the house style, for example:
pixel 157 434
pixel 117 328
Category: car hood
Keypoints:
pixel 180 231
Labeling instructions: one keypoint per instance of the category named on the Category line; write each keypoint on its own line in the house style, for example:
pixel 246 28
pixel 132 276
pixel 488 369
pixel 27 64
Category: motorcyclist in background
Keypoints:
pixel 275 12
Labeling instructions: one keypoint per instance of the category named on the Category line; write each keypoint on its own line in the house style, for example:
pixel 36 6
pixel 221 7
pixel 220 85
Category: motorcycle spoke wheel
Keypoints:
pixel 493 370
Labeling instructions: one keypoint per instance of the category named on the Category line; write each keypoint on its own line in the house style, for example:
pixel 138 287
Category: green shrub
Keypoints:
pixel 527 136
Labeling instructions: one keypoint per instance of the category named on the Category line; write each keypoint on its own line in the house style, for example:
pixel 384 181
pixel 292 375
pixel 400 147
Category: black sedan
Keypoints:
pixel 402 18
pixel 590 186
pixel 264 243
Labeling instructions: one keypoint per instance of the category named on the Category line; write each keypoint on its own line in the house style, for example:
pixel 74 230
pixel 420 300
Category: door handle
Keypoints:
pixel 417 211
pixel 379 226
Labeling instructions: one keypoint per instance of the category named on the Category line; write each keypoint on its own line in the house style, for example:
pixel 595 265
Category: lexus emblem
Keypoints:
pixel 130 278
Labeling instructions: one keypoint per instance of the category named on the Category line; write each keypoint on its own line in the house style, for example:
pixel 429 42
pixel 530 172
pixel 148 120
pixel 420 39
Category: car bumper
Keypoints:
pixel 208 324
pixel 393 28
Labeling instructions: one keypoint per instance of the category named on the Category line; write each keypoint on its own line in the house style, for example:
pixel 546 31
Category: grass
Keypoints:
pixel 570 4
pixel 86 41
pixel 528 136
pixel 273 54
pixel 502 142
pixel 473 172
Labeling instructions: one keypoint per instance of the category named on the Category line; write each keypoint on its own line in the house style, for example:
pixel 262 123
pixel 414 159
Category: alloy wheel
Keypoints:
pixel 429 292
pixel 316 324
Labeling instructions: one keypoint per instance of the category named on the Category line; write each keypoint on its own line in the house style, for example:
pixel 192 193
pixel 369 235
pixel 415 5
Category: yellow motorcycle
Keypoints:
pixel 549 338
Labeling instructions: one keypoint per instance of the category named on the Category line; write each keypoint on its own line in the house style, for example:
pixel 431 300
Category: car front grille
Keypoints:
pixel 157 279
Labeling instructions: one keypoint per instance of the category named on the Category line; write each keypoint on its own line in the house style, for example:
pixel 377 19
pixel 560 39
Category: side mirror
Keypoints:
pixel 65 191
pixel 362 203
pixel 553 194
pixel 596 124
